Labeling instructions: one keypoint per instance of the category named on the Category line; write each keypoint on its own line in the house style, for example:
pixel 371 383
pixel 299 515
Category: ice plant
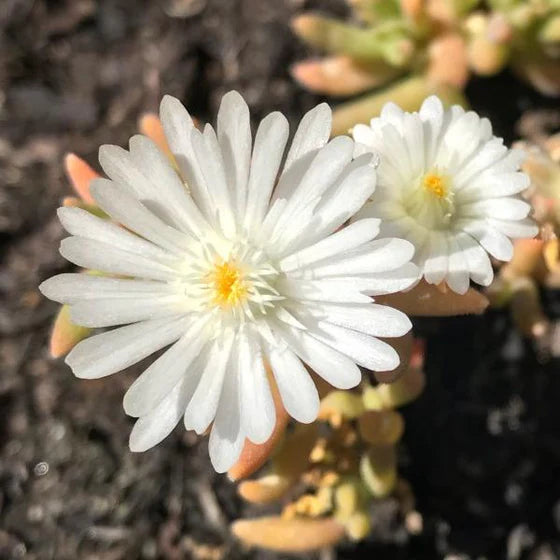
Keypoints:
pixel 237 259
pixel 534 270
pixel 330 474
pixel 450 187
pixel 404 50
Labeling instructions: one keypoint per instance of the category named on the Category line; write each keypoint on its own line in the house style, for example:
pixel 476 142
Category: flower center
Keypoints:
pixel 436 184
pixel 429 200
pixel 234 281
pixel 229 286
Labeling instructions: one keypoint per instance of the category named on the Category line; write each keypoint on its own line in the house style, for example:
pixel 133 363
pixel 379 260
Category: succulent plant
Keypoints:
pixel 329 474
pixel 535 266
pixel 404 50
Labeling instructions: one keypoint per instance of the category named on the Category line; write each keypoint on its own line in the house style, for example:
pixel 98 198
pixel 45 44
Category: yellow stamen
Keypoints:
pixel 436 184
pixel 229 287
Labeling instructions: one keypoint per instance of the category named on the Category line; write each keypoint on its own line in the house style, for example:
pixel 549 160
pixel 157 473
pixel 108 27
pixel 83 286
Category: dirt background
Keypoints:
pixel 482 446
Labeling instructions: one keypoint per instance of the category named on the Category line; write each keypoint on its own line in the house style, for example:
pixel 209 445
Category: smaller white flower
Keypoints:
pixel 251 266
pixel 449 186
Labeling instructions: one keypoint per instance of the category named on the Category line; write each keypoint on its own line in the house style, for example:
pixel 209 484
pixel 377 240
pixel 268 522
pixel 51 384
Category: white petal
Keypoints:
pixel 494 186
pixel 313 132
pixel 128 211
pixel 395 152
pixel 71 288
pixel 345 198
pixel 234 135
pixel 95 255
pixel 285 316
pixel 493 151
pixel 517 229
pixel 81 223
pixel 227 436
pixel 500 208
pixel 270 142
pixel 485 129
pixel 151 429
pixel 258 412
pixel 479 264
pixel 348 289
pixel 109 352
pixel 496 243
pixel 458 273
pixel 432 113
pixel 210 160
pixel 163 374
pixel 435 266
pixel 119 166
pixel 335 368
pixel 171 189
pixel 460 140
pixel 389 282
pixel 288 239
pixel 413 134
pixel 163 194
pixel 363 134
pixel 323 171
pixel 365 350
pixel 204 403
pixel 298 392
pixel 334 290
pixel 432 108
pixel 178 126
pixel 225 447
pixel 372 319
pixel 377 256
pixel 344 240
pixel 511 161
pixel 109 312
pixel 392 113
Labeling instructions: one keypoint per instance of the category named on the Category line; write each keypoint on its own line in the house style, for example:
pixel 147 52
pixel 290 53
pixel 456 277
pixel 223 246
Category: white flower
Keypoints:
pixel 449 186
pixel 248 267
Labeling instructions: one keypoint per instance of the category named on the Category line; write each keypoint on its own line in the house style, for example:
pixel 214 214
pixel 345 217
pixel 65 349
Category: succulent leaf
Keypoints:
pixel 427 300
pixel 65 334
pixel 378 469
pixel 408 94
pixel 289 535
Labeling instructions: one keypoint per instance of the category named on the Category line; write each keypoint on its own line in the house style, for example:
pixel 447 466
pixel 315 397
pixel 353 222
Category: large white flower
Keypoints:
pixel 244 268
pixel 449 186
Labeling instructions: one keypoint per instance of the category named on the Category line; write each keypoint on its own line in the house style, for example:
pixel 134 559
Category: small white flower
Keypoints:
pixel 248 267
pixel 450 187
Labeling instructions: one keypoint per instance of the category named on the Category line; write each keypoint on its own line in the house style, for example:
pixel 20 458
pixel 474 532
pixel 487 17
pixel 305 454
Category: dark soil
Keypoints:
pixel 482 446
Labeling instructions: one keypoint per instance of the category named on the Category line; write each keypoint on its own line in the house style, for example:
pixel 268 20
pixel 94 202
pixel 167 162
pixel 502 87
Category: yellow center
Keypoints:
pixel 435 184
pixel 228 284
